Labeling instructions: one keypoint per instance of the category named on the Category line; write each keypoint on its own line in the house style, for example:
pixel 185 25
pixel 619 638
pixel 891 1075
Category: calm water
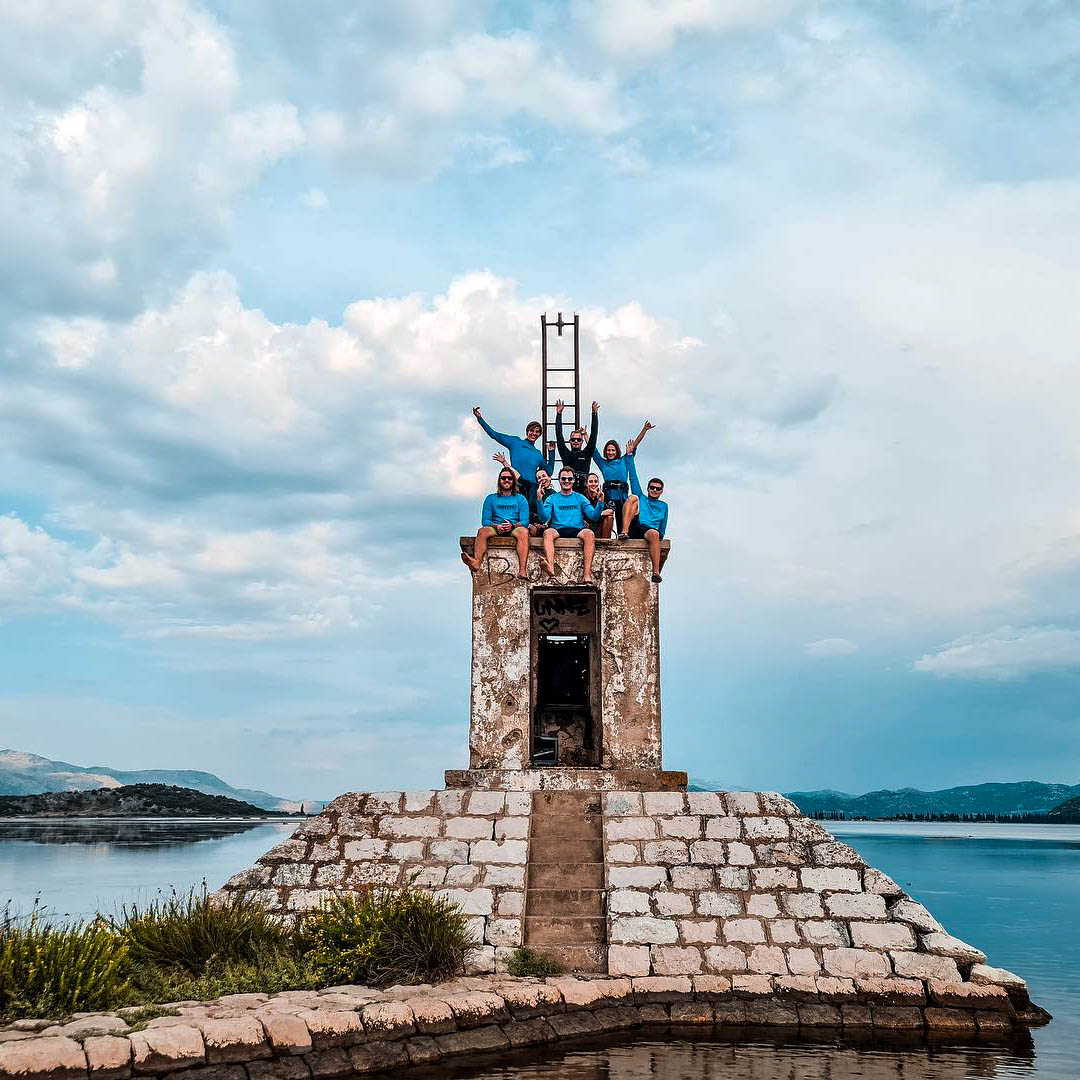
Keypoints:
pixel 1013 891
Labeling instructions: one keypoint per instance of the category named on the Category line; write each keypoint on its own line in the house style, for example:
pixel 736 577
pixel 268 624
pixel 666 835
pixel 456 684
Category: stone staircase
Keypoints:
pixel 565 915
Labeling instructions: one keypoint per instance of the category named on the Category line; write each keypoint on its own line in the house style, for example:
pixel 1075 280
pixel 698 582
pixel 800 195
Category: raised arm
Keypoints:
pixel 504 461
pixel 491 432
pixel 563 448
pixel 631 471
pixel 590 446
pixel 645 429
pixel 543 509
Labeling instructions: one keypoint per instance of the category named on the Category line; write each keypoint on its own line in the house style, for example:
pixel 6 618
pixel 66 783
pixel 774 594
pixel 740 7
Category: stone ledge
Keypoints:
pixel 565 779
pixel 356 1029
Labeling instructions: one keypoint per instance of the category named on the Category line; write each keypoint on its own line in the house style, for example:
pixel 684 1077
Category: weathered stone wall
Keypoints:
pixel 629 648
pixel 741 883
pixel 469 846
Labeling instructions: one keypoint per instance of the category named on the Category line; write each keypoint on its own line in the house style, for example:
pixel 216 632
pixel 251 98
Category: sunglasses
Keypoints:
pixel 655 487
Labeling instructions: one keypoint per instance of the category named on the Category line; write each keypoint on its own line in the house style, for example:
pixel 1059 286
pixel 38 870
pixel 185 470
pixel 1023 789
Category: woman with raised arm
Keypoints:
pixel 613 466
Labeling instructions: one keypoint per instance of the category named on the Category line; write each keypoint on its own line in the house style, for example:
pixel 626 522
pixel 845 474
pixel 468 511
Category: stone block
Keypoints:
pixel 293 874
pixel 830 879
pixel 422 1050
pixel 519 803
pixel 47 1057
pixel 162 1050
pixel 712 987
pixel 632 930
pixel 665 852
pixel 293 850
pixel 697 931
pixel 730 1013
pixel 676 960
pixel 803 962
pixel 732 877
pixel 994 1024
pixel 463 874
pixel 331 876
pixel 849 963
pixel 749 931
pixel 665 803
pixel 528 999
pixel 938 944
pixel 511 828
pixel 783 932
pixel 471 901
pixel 498 851
pixel 286 1068
pixel 725 959
pixel 234 1039
pixel 772 802
pixel 739 854
pixel 641 877
pixel 108 1057
pixel 418 802
pixel 811 1015
pixel 474 1008
pixel 802 905
pixel 409 827
pixel 487 802
pixel 622 853
pixel 723 828
pixel 375 874
pixel 331 1028
pixel 687 827
pixel 896 1018
pixel 692 877
pixel 882 935
pixel 766 960
pixel 772 1014
pixel 503 932
pixel 914 913
pixel 473 1041
pixel 469 828
pixel 430 877
pixel 511 877
pixel 384 802
pixel 628 902
pixel 705 802
pixel 775 877
pixel 796 987
pixel 708 853
pixel 742 802
pixel 891 991
pixel 448 802
pixel 628 960
pixel 447 851
pixel 763 905
pixel 691 1012
pixel 408 851
pixel 388 1020
pixel 287 1032
pixel 622 804
pixel 984 975
pixel 809 832
pixel 967 995
pixel 574 1025
pixel 328 852
pixel 874 881
pixel 672 903
pixel 824 932
pixel 529 1032
pixel 856 1016
pixel 587 993
pixel 856 905
pixel 356 826
pixel 510 904
pixel 766 828
pixel 661 989
pixel 480 960
pixel 915 965
pixel 831 988
pixel 635 828
pixel 951 1020
pixel 327 1064
pixel 833 853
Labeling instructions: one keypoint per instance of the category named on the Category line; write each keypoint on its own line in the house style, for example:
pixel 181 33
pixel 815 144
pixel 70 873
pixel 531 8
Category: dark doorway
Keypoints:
pixel 565 679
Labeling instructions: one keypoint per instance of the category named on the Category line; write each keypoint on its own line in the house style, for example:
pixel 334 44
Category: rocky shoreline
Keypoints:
pixel 350 1030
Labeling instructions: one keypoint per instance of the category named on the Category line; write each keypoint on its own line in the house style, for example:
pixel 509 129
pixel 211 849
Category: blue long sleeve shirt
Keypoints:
pixel 524 456
pixel 615 471
pixel 571 511
pixel 500 508
pixel 652 513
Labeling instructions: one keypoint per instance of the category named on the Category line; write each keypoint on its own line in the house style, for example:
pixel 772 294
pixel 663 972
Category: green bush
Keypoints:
pixel 193 933
pixel 526 962
pixel 382 937
pixel 48 970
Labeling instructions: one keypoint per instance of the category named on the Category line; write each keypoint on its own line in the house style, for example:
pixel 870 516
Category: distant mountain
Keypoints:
pixel 28 774
pixel 1066 813
pixel 1026 797
pixel 131 800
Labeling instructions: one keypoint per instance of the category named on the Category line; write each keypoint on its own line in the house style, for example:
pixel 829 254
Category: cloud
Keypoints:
pixel 833 646
pixel 1006 653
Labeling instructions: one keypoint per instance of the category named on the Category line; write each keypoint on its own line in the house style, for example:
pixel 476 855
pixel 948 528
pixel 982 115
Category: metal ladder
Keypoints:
pixel 559 381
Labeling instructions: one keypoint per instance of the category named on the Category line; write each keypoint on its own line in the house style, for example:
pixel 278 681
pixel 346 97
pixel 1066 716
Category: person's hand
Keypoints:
pixel 649 425
pixel 476 411
pixel 596 406
pixel 500 457
pixel 559 406
pixel 551 446
pixel 630 446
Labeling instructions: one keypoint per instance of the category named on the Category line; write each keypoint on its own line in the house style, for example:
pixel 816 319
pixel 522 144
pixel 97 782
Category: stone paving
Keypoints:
pixel 347 1030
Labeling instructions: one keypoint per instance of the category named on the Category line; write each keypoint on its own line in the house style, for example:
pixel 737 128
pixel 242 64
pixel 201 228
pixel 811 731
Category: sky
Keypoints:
pixel 259 261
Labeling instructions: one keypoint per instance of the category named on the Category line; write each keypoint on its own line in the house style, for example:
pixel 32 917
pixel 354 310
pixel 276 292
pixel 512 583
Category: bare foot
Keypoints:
pixel 547 568
pixel 588 580
pixel 470 562
pixel 523 576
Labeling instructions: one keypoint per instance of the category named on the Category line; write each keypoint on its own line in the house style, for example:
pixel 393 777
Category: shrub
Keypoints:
pixel 386 936
pixel 194 933
pixel 526 962
pixel 48 970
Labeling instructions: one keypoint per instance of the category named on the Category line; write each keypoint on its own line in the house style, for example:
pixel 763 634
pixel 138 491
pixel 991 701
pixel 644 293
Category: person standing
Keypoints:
pixel 579 454
pixel 525 456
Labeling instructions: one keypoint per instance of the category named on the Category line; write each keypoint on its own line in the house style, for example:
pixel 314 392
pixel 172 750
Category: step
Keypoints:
pixel 557 849
pixel 548 802
pixel 565 902
pixel 583 958
pixel 582 875
pixel 580 825
pixel 565 930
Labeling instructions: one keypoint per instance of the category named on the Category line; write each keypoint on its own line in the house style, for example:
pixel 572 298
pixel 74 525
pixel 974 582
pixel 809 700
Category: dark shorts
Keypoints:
pixel 568 532
pixel 635 530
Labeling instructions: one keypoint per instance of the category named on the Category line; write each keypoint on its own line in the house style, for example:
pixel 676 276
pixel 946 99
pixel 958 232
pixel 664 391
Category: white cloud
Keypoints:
pixel 33 567
pixel 833 646
pixel 1006 653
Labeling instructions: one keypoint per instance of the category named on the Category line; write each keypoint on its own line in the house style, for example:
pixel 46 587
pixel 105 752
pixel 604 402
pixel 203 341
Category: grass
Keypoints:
pixel 189 946
pixel 526 962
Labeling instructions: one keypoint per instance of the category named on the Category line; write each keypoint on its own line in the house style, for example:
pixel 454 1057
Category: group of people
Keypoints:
pixel 580 503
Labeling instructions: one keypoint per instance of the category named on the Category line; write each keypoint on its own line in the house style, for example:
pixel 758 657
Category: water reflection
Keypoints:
pixel 126 832
pixel 701 1058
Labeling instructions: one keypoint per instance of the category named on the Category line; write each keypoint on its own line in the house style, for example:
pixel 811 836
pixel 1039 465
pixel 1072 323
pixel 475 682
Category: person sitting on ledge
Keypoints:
pixel 595 494
pixel 616 479
pixel 648 514
pixel 525 457
pixel 540 491
pixel 506 513
pixel 566 512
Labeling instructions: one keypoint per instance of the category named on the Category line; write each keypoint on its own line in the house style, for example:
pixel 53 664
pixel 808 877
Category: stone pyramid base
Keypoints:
pixel 738 886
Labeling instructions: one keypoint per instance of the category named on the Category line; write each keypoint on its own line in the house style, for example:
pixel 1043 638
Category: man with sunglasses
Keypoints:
pixel 506 513
pixel 578 455
pixel 648 514
pixel 566 513
pixel 525 457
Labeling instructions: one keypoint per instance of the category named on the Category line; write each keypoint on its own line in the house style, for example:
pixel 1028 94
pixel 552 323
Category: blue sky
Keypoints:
pixel 257 262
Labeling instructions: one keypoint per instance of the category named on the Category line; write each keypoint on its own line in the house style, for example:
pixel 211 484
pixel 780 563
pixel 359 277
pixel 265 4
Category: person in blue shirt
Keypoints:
pixel 525 457
pixel 540 492
pixel 506 513
pixel 649 514
pixel 566 513
pixel 616 479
